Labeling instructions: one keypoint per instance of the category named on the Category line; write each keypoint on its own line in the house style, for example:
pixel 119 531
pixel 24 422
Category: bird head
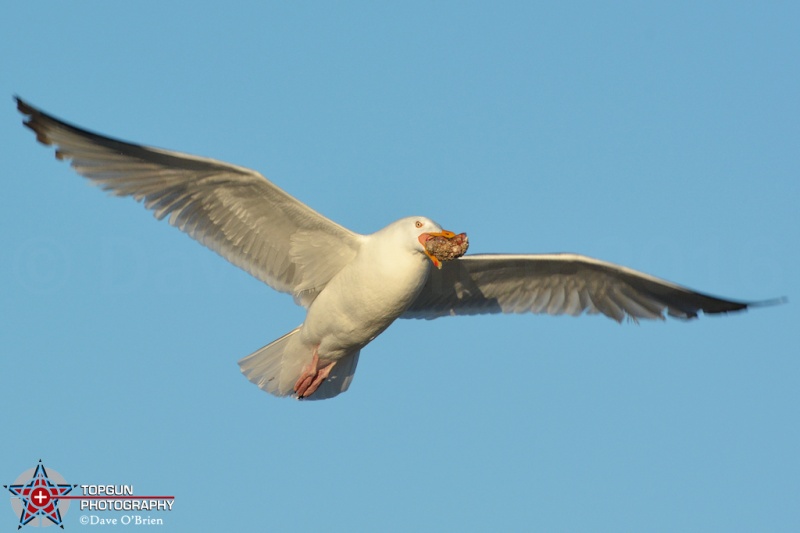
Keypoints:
pixel 425 229
pixel 424 236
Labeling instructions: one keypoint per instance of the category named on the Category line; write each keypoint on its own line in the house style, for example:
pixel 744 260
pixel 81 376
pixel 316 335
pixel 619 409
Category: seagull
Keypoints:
pixel 352 286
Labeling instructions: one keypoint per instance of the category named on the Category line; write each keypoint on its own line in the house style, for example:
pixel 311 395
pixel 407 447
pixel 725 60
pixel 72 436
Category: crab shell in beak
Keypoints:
pixel 423 238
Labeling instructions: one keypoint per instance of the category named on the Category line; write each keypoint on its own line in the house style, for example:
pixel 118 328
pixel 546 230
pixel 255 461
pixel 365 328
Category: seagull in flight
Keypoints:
pixel 352 286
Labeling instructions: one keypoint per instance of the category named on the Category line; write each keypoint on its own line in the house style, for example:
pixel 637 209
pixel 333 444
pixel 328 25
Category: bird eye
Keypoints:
pixel 418 224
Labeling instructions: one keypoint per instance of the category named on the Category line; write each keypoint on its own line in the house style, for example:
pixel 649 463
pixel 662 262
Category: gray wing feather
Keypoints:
pixel 556 284
pixel 232 210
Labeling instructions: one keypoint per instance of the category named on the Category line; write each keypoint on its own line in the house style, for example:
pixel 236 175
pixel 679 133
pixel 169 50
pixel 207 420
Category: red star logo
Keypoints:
pixel 40 497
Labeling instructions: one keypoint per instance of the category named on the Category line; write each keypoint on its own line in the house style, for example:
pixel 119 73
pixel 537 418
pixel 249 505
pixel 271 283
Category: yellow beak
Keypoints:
pixel 424 238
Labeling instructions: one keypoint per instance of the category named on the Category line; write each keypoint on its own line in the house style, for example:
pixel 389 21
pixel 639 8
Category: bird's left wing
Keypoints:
pixel 233 210
pixel 556 284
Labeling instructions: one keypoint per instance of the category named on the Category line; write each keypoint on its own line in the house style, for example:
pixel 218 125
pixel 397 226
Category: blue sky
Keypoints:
pixel 665 138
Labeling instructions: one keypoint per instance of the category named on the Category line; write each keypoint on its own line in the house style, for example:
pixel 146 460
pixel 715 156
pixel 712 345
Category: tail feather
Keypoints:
pixel 272 367
pixel 276 367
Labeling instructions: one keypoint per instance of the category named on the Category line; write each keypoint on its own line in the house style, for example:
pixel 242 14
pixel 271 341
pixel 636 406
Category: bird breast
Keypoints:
pixel 362 300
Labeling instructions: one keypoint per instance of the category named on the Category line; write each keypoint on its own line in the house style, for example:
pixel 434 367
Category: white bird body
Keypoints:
pixel 353 286
pixel 369 293
pixel 357 305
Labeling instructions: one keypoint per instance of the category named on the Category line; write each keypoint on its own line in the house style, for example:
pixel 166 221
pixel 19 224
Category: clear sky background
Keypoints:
pixel 663 138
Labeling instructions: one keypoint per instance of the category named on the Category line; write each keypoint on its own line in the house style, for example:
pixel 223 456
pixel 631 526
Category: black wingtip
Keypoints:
pixel 24 107
pixel 35 120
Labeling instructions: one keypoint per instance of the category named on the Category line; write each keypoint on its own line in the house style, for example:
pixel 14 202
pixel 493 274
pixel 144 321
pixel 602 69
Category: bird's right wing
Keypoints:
pixel 557 284
pixel 233 210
